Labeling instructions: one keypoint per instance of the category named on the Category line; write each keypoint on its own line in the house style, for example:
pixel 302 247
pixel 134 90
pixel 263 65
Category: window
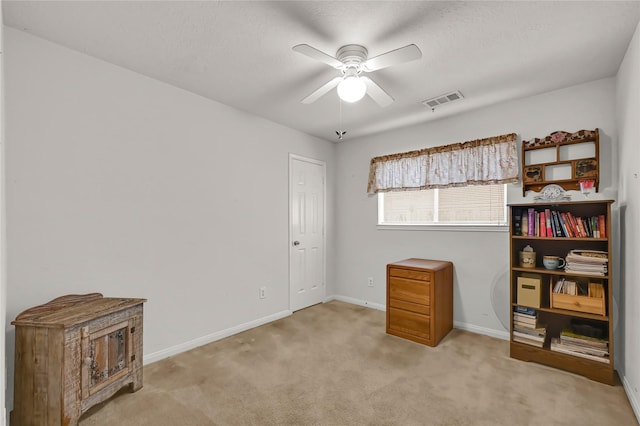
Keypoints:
pixel 477 205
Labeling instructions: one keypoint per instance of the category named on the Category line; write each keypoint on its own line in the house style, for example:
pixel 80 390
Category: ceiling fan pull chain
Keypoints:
pixel 340 132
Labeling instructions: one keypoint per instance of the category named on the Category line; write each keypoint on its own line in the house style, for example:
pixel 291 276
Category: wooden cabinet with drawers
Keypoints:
pixel 420 300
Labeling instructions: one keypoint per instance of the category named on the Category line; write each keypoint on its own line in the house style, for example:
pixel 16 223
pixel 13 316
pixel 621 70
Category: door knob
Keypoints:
pixel 296 243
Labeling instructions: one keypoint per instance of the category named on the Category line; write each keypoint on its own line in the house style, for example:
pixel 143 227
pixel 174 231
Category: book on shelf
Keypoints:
pixel 584 266
pixel 543 225
pixel 517 222
pixel 579 345
pixel 527 327
pixel 594 226
pixel 547 218
pixel 592 256
pixel 566 226
pixel 602 226
pixel 531 221
pixel 582 272
pixel 567 335
pixel 587 262
pixel 575 288
pixel 554 224
pixel 557 346
pixel 525 319
pixel 591 350
pixel 531 333
pixel 559 286
pixel 564 286
pixel 531 342
pixel 587 227
pixel 519 324
pixel 525 310
pixel 559 231
pixel 574 227
pixel 581 228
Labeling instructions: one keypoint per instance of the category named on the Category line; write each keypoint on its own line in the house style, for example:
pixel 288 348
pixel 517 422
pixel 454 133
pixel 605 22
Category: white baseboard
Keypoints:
pixel 631 396
pixel 359 302
pixel 174 350
pixel 504 335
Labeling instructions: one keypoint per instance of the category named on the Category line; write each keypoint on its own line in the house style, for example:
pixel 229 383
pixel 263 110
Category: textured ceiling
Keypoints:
pixel 239 52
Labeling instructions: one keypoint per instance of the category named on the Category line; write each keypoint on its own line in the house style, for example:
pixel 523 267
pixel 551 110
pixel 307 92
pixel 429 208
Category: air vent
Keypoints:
pixel 443 99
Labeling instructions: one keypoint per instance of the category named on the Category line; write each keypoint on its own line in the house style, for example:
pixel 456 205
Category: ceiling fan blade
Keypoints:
pixel 394 57
pixel 321 91
pixel 376 92
pixel 314 53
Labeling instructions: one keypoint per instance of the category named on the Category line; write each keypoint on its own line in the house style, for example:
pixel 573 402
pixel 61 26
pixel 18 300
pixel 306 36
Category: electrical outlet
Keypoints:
pixel 370 281
pixel 263 292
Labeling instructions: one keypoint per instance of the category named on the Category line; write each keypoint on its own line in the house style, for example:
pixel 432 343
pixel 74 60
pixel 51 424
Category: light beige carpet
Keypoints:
pixel 333 364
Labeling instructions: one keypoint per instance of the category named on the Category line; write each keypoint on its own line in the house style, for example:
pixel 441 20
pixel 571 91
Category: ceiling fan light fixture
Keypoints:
pixel 352 60
pixel 351 89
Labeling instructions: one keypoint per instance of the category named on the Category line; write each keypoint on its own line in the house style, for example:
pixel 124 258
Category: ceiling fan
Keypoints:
pixel 352 61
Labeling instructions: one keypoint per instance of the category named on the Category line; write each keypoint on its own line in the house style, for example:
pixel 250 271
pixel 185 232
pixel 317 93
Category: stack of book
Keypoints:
pixel 592 289
pixel 587 262
pixel 564 286
pixel 526 328
pixel 572 343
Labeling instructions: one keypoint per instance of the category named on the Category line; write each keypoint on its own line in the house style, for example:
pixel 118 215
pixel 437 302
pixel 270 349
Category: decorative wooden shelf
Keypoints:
pixel 536 175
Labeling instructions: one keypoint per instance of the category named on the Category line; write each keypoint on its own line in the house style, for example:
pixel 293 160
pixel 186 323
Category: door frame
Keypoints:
pixel 292 158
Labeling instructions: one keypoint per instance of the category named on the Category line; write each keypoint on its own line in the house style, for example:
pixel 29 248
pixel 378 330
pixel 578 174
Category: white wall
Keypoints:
pixel 628 114
pixel 120 184
pixel 479 258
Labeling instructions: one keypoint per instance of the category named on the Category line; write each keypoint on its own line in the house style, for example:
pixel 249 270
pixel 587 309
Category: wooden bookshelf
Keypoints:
pixel 553 319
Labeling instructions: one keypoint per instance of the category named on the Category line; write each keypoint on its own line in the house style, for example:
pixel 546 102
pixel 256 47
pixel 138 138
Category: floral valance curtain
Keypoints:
pixel 479 162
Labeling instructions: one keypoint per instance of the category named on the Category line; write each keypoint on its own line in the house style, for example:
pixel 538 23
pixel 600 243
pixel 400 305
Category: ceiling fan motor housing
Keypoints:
pixel 352 55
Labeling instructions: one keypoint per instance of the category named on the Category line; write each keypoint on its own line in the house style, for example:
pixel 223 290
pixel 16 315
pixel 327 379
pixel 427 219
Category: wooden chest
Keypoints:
pixel 420 300
pixel 72 353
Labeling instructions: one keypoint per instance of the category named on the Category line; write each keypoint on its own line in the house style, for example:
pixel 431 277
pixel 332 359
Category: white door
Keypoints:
pixel 306 224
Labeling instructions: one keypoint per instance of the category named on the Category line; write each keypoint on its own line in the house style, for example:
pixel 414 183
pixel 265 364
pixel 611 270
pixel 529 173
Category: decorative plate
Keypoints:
pixel 552 192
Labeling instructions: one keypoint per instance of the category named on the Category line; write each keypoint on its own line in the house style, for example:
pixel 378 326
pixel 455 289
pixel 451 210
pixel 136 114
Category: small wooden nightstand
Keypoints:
pixel 420 300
